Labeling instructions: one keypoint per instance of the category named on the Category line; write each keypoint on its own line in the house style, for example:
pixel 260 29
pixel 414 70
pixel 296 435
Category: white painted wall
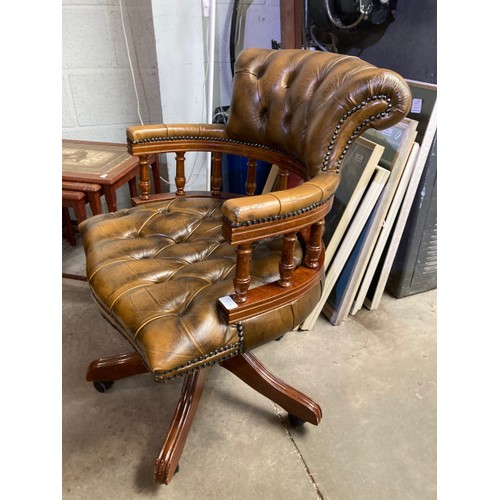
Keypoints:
pixel 260 24
pixel 182 35
pixel 180 46
pixel 168 41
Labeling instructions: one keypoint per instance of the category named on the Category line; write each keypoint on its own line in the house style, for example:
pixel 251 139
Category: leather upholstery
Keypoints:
pixel 149 132
pixel 294 99
pixel 302 102
pixel 279 203
pixel 157 270
pixel 310 105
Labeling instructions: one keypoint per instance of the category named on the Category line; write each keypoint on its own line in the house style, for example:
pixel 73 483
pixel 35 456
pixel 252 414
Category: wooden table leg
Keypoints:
pixel 68 227
pixel 95 202
pixel 132 186
pixel 77 201
pixel 110 197
pixel 92 192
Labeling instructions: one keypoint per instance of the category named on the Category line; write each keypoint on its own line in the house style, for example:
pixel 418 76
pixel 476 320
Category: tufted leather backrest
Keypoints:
pixel 298 101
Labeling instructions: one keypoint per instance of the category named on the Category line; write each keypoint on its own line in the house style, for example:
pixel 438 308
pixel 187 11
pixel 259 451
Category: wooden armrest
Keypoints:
pixel 251 218
pixel 256 229
pixel 141 138
pixel 144 140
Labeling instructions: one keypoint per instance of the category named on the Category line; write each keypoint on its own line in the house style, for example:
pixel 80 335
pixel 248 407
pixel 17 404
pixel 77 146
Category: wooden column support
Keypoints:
pixel 242 275
pixel 216 180
pixel 286 265
pixel 283 179
pixel 180 176
pixel 313 248
pixel 251 184
pixel 144 182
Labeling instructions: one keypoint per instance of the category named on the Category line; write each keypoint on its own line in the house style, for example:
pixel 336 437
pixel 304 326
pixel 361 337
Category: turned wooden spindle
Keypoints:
pixel 251 184
pixel 287 265
pixel 282 179
pixel 216 179
pixel 313 248
pixel 180 177
pixel 242 274
pixel 144 182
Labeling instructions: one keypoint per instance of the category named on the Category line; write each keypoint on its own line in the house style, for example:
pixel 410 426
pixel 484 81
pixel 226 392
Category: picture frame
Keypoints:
pixel 340 268
pixel 397 142
pixel 360 163
pixel 424 111
pixel 359 221
pixel 386 230
pixel 358 171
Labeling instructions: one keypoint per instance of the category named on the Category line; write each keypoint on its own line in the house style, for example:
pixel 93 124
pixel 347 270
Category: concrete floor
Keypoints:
pixel 374 377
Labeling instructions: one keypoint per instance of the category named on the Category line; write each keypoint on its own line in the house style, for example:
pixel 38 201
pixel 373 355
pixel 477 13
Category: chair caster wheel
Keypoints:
pixel 295 421
pixel 103 385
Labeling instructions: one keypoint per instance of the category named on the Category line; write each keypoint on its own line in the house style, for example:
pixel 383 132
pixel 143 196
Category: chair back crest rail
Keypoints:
pixel 301 111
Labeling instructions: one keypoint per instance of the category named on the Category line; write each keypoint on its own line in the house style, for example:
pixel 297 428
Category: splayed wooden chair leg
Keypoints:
pixel 249 369
pixel 104 371
pixel 173 445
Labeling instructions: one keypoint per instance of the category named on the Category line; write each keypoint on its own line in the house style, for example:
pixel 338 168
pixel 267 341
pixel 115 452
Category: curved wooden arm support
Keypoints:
pixel 207 140
pixel 215 144
pixel 267 297
pixel 177 434
pixel 270 296
pixel 249 369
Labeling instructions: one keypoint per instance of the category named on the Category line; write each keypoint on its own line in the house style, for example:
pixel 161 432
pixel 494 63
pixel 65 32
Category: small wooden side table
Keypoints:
pixel 106 164
pixel 92 191
pixel 77 201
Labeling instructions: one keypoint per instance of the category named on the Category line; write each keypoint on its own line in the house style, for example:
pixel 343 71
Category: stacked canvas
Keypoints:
pixel 374 282
pixel 350 258
pixel 363 230
pixel 357 194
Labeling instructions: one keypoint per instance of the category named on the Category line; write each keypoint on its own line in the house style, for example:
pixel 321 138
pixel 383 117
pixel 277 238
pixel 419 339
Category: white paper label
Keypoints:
pixel 416 106
pixel 359 157
pixel 228 302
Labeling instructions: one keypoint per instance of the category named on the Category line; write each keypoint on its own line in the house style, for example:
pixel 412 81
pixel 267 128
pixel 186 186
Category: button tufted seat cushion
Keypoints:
pixel 157 269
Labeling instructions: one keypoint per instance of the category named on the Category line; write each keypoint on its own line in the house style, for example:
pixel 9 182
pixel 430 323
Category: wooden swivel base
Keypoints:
pixel 103 372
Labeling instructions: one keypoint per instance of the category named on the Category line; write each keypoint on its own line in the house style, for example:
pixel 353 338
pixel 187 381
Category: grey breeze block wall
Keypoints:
pixel 99 100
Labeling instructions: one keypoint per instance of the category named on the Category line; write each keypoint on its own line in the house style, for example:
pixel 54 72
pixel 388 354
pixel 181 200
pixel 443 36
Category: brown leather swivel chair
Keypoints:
pixel 194 280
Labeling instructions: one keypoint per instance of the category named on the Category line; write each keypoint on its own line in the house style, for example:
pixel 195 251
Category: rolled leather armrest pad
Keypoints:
pixel 278 203
pixel 143 133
